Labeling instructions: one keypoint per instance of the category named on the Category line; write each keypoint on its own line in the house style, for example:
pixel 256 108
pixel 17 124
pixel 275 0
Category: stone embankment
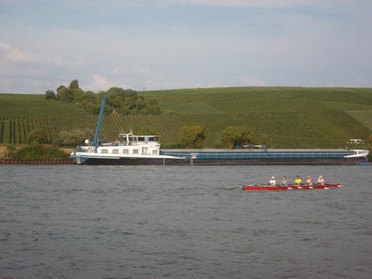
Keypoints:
pixel 10 161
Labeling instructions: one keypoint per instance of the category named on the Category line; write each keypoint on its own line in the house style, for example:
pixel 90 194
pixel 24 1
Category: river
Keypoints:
pixel 68 221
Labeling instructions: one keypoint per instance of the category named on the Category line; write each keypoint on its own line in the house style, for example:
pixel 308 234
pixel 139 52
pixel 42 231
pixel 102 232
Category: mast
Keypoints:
pixel 98 128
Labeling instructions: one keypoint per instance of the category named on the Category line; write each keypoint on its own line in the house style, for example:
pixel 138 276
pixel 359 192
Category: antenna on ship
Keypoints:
pixel 98 128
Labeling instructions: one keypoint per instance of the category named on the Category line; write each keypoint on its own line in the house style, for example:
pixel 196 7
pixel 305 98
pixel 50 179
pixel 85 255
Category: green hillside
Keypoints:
pixel 285 117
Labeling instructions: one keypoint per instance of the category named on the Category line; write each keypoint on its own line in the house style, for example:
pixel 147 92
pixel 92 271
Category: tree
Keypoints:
pixel 64 94
pixel 125 101
pixel 38 135
pixel 128 106
pixel 74 137
pixel 192 136
pixel 116 102
pixel 152 107
pixel 77 94
pixel 50 95
pixel 233 136
pixel 140 103
pixel 90 97
pixel 89 102
pixel 74 84
pixel 114 92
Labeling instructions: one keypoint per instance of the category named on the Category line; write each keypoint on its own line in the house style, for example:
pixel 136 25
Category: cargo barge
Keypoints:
pixel 270 156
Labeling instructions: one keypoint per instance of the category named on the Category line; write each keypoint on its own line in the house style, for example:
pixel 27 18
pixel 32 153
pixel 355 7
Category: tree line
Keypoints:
pixel 125 101
pixel 193 136
pixel 189 136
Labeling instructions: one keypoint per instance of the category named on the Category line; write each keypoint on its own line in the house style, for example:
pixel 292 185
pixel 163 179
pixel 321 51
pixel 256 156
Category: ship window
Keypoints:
pixel 104 151
pixel 125 151
pixel 115 151
pixel 154 152
pixel 135 151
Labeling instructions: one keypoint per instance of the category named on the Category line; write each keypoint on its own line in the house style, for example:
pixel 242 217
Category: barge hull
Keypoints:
pixel 220 162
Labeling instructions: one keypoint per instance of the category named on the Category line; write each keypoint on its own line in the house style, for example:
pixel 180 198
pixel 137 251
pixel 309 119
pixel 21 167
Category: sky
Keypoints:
pixel 171 44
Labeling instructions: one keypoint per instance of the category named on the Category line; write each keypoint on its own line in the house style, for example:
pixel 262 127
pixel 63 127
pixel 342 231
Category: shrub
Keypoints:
pixel 192 136
pixel 236 136
pixel 38 135
pixel 36 151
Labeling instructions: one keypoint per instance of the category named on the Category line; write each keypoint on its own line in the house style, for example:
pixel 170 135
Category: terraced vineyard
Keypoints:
pixel 363 116
pixel 284 117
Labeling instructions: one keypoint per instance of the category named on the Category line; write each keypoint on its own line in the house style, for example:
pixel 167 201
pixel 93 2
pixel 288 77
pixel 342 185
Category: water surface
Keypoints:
pixel 182 222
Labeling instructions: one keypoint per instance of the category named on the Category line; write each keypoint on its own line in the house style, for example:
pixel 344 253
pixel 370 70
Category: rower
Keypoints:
pixel 320 180
pixel 309 181
pixel 284 181
pixel 272 181
pixel 297 181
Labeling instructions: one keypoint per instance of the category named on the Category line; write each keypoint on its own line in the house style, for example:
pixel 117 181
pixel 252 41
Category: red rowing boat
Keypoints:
pixel 288 187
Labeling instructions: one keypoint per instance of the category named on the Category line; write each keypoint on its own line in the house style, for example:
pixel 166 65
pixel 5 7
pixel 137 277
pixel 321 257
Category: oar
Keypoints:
pixel 233 187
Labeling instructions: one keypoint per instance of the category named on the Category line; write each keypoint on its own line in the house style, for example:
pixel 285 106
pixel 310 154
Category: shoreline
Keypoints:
pixel 56 161
pixel 195 161
pixel 191 162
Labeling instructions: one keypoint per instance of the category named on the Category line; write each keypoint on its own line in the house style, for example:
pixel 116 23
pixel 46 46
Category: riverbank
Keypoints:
pixel 208 157
pixel 51 161
pixel 56 161
pixel 2 150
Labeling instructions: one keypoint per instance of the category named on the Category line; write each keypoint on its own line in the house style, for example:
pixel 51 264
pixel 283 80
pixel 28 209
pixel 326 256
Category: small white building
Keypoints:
pixel 356 141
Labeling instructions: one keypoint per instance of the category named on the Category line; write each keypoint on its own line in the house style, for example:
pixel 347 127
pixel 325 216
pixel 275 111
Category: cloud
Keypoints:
pixel 224 3
pixel 98 82
pixel 185 43
pixel 250 81
pixel 14 54
pixel 132 70
pixel 271 4
pixel 38 57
